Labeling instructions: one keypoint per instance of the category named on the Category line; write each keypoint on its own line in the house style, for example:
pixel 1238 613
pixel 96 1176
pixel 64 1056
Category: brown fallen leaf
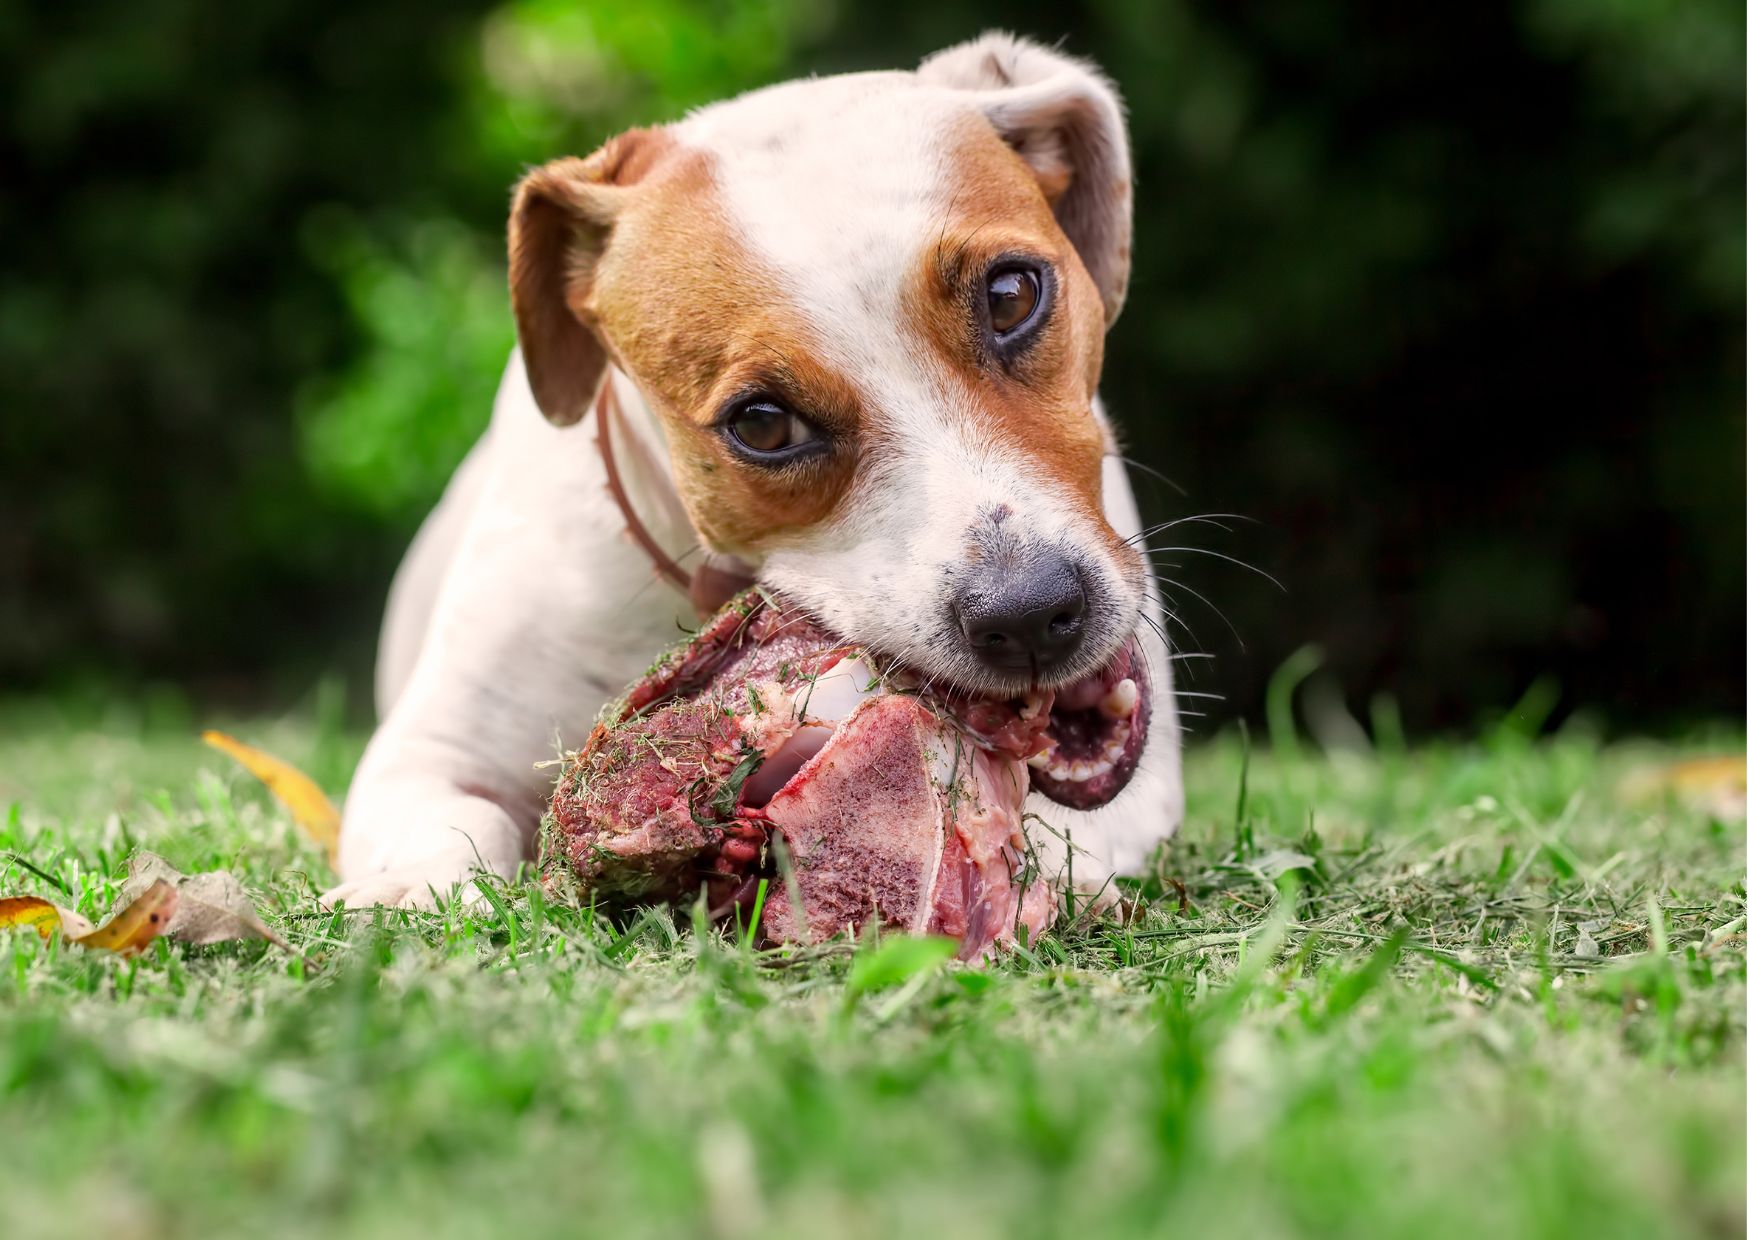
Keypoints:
pixel 138 923
pixel 309 806
pixel 212 908
pixel 43 917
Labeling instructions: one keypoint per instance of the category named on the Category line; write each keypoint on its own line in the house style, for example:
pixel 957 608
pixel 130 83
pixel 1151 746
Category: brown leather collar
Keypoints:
pixel 716 579
pixel 606 409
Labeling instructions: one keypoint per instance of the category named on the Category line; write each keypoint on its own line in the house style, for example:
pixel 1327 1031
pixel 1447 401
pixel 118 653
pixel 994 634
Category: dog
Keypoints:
pixel 845 334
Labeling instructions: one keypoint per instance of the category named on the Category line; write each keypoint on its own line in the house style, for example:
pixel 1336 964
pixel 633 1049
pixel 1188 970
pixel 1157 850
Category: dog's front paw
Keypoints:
pixel 420 885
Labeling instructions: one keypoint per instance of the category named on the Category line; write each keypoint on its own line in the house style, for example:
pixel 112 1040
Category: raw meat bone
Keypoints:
pixel 900 820
pixel 764 724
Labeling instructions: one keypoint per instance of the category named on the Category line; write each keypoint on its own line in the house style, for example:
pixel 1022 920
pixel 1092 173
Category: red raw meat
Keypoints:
pixel 767 748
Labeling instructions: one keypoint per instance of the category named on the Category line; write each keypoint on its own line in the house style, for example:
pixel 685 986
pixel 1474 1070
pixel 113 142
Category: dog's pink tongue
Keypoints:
pixel 1086 693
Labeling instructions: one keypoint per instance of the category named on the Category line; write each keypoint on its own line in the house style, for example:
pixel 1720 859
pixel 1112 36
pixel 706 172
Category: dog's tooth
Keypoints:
pixel 1040 761
pixel 1080 770
pixel 1119 703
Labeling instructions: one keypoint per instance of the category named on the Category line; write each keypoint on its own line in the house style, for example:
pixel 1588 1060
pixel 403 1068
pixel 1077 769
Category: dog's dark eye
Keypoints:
pixel 764 429
pixel 1014 293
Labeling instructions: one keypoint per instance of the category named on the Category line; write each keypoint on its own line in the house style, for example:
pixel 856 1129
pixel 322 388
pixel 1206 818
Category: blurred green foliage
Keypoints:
pixel 1448 298
pixel 388 431
pixel 428 293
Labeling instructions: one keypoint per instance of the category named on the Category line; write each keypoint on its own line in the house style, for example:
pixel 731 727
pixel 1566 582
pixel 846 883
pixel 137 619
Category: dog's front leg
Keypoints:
pixel 453 782
pixel 545 609
pixel 450 784
pixel 429 836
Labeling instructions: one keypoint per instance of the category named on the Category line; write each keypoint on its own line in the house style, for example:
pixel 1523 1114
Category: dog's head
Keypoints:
pixel 870 312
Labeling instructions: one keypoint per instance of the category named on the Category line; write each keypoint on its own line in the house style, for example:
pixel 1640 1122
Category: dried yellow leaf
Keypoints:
pixel 31 911
pixel 130 930
pixel 1717 784
pixel 42 916
pixel 1728 772
pixel 302 796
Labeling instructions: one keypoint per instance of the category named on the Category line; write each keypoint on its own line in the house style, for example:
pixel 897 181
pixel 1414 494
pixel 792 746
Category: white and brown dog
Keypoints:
pixel 846 332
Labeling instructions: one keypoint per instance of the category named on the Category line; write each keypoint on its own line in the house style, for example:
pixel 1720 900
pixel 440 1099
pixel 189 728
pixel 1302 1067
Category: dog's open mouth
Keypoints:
pixel 1097 730
pixel 1083 740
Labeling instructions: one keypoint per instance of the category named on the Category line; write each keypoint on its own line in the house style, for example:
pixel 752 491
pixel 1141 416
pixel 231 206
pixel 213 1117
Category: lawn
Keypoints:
pixel 1443 991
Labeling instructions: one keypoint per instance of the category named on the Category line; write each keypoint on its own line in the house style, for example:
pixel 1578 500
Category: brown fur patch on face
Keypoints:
pixel 1040 400
pixel 699 321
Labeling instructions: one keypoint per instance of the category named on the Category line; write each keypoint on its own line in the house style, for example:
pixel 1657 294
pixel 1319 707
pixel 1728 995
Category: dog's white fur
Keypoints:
pixel 522 606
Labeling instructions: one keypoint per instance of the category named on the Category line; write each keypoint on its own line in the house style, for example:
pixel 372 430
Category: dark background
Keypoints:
pixel 1446 299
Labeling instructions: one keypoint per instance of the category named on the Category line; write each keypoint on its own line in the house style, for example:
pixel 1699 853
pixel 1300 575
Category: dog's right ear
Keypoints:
pixel 560 224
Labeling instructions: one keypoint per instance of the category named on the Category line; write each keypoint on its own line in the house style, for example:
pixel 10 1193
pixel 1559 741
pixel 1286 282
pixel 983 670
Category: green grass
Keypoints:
pixel 1498 1003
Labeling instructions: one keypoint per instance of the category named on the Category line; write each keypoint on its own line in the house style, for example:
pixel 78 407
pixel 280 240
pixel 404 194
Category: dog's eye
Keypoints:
pixel 1014 293
pixel 764 429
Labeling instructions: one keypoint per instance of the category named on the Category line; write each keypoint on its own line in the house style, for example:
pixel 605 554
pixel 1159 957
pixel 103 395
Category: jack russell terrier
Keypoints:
pixel 843 335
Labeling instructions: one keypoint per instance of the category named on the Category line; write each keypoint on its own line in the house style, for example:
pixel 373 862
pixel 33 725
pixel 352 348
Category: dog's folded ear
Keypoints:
pixel 560 224
pixel 1064 118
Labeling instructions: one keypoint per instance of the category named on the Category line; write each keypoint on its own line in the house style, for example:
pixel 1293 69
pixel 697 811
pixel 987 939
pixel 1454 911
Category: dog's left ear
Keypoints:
pixel 1064 118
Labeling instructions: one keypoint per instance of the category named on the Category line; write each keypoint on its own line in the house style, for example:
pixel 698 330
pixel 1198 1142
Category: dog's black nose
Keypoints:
pixel 1026 617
